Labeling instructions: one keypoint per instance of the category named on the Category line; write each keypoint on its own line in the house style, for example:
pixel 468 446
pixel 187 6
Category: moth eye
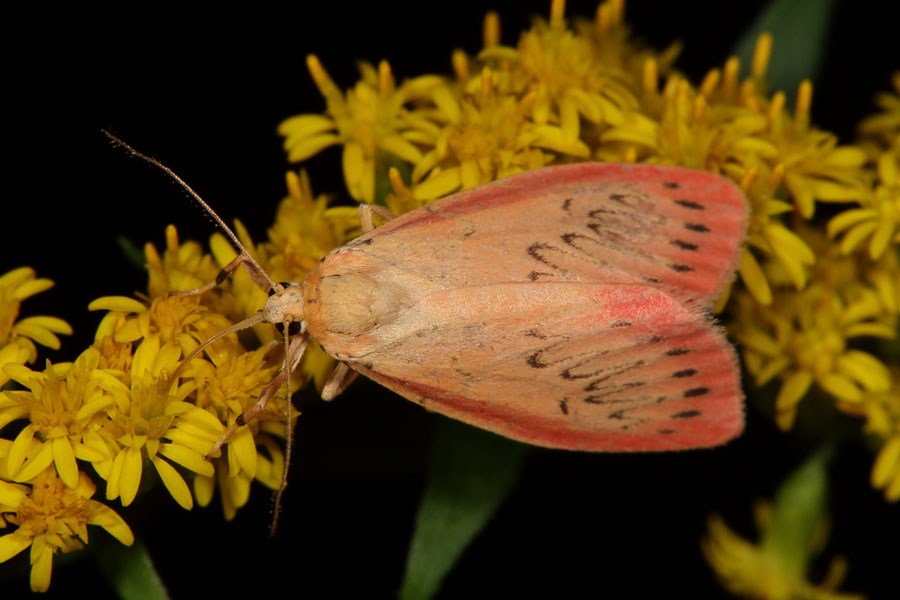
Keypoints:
pixel 293 328
pixel 271 292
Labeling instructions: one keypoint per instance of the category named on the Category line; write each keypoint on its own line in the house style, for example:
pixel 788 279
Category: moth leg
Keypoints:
pixel 250 267
pixel 368 211
pixel 340 378
pixel 296 349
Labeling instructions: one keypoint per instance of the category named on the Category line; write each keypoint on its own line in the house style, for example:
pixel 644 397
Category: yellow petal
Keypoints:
pixel 400 147
pixel 174 483
pixel 244 447
pixel 119 303
pixel 10 495
pixel 128 332
pixel 187 458
pixel 305 147
pixel 13 543
pixel 64 457
pixel 40 335
pixel 880 240
pixel 203 489
pixel 887 464
pixel 857 234
pixel 109 520
pixel 36 464
pixel 31 288
pixel 841 387
pixel 16 277
pixel 865 369
pixel 303 126
pixel 41 567
pixel 753 277
pixel 132 468
pixel 19 450
pixel 848 218
pixel 438 185
pixel 793 389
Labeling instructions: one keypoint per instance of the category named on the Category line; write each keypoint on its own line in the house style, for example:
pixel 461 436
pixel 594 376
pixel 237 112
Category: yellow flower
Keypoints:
pixel 802 338
pixel 792 530
pixel 305 229
pixel 885 126
pixel 488 137
pixel 61 404
pixel 753 571
pixel 52 517
pixel 882 413
pixel 17 337
pixel 227 390
pixel 371 120
pixel 879 218
pixel 152 422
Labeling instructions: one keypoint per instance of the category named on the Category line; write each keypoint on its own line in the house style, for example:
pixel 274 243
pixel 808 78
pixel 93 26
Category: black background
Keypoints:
pixel 203 92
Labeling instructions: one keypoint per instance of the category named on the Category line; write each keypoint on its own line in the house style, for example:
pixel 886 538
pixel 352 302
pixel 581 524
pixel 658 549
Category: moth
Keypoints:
pixel 566 307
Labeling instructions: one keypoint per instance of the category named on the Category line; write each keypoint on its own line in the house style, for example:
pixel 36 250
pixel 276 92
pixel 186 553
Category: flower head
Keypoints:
pixel 52 517
pixel 18 336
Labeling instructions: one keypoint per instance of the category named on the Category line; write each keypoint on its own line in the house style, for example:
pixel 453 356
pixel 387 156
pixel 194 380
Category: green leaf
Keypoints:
pixel 799 509
pixel 799 29
pixel 130 571
pixel 470 474
pixel 134 254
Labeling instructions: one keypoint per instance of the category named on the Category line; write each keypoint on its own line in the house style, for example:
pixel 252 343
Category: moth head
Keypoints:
pixel 285 305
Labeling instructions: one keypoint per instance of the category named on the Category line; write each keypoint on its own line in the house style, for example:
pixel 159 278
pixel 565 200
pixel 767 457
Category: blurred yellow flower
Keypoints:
pixel 52 517
pixel 17 337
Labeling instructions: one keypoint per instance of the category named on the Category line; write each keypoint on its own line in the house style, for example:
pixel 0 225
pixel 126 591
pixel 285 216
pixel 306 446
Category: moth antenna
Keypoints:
pixel 249 322
pixel 234 239
pixel 288 435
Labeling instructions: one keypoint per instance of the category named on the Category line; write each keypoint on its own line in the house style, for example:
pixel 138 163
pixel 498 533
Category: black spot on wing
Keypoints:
pixel 665 431
pixel 685 373
pixel 564 406
pixel 671 185
pixel 620 324
pixel 690 204
pixel 694 392
pixel 687 414
pixel 681 268
pixel 567 205
pixel 698 227
pixel 677 351
pixel 684 245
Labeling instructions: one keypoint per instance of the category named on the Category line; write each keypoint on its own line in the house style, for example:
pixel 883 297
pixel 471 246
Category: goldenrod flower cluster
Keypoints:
pixel 811 292
pixel 128 404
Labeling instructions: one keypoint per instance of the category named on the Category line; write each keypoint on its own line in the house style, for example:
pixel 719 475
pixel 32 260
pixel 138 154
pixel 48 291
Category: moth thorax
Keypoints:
pixel 354 303
pixel 286 305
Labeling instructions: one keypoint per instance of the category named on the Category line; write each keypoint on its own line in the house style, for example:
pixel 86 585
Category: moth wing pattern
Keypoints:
pixel 565 307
